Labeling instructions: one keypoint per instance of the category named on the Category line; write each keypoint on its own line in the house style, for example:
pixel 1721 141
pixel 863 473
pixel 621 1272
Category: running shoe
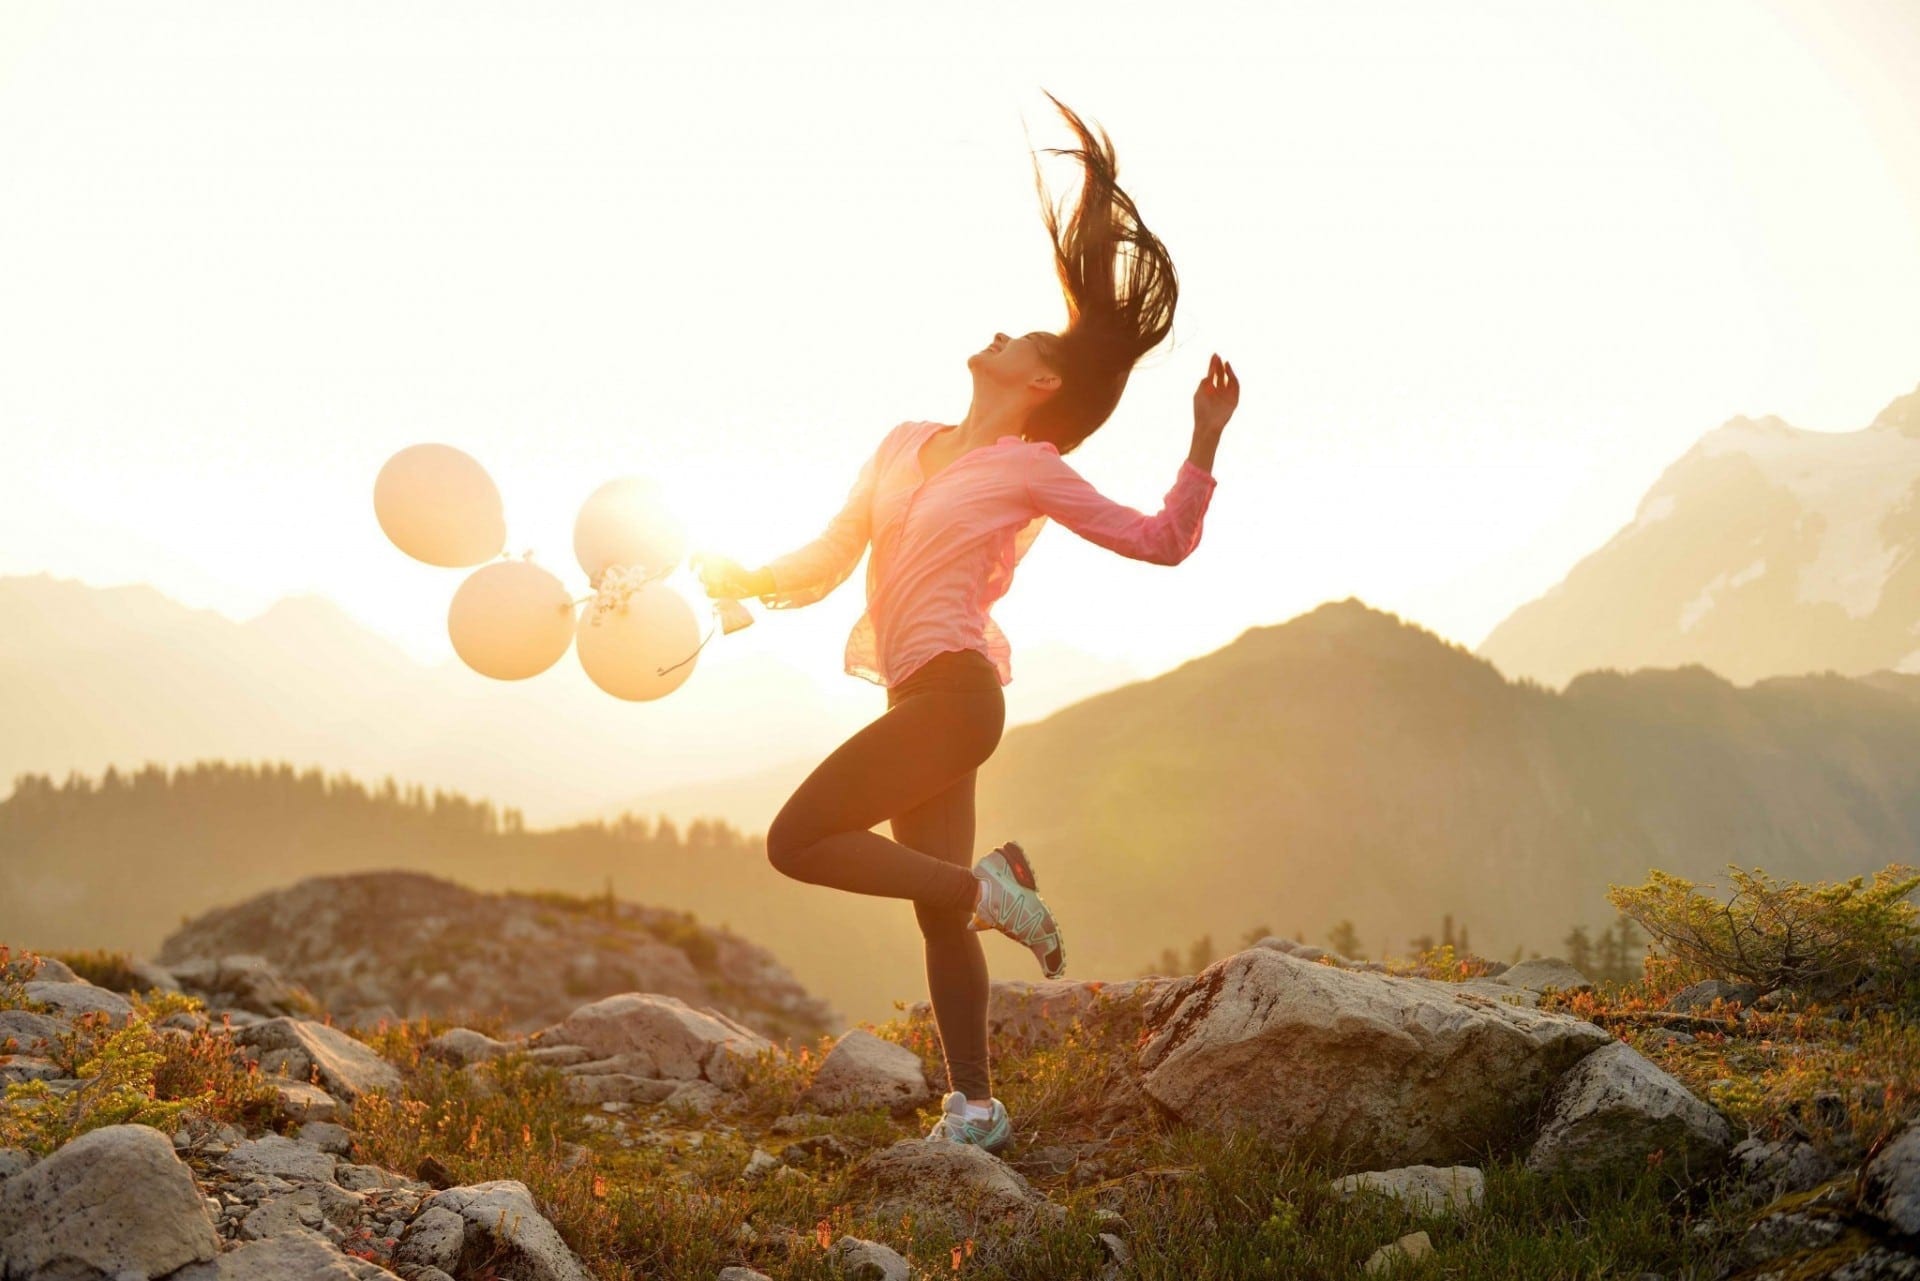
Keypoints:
pixel 955 1126
pixel 1012 905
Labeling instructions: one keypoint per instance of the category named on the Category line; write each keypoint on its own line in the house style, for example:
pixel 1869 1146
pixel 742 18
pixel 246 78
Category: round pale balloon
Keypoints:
pixel 628 523
pixel 511 620
pixel 641 650
pixel 439 505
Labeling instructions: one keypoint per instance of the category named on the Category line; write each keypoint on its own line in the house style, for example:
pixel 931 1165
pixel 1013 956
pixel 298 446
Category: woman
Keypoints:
pixel 950 509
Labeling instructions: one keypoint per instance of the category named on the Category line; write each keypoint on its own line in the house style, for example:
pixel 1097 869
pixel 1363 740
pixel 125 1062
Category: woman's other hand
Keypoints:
pixel 1214 401
pixel 727 579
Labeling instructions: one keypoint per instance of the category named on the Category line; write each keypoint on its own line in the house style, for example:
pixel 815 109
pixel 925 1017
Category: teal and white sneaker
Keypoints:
pixel 956 1126
pixel 1012 905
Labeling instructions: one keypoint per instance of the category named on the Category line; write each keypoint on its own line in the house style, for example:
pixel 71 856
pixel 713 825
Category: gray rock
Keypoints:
pixel 1890 1183
pixel 1384 1070
pixel 1615 1108
pixel 115 1200
pixel 301 1101
pixel 15 1068
pixel 296 1254
pixel 280 1156
pixel 1425 1189
pixel 737 1273
pixel 328 1137
pixel 463 1047
pixel 30 1032
pixel 298 1047
pixel 663 1035
pixel 859 1259
pixel 70 999
pixel 590 1088
pixel 863 1070
pixel 1541 973
pixel 1698 996
pixel 964 1185
pixel 13 1161
pixel 502 1225
pixel 33 966
pixel 367 1178
pixel 1770 1169
pixel 433 1239
pixel 241 981
pixel 147 976
pixel 1414 1245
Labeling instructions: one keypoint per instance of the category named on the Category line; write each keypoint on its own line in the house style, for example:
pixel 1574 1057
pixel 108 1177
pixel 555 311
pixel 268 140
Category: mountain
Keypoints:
pixel 1763 550
pixel 1347 764
pixel 92 677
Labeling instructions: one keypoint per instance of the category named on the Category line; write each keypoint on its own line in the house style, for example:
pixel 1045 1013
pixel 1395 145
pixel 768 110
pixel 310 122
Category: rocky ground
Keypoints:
pixel 258 1141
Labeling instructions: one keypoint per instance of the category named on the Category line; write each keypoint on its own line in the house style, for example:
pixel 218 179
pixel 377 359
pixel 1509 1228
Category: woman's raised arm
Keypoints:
pixel 1166 538
pixel 807 574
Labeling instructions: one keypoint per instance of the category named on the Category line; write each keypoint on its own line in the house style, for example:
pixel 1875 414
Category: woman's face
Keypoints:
pixel 1016 361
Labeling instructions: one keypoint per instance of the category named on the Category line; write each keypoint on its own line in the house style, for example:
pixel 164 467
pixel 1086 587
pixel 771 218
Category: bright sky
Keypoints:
pixel 1484 270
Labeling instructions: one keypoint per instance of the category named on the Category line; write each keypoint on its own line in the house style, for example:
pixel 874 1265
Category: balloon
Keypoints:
pixel 511 620
pixel 623 646
pixel 439 505
pixel 627 523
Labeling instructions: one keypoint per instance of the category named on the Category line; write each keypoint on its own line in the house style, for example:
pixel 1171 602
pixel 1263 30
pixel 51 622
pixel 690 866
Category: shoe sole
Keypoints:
pixel 1023 873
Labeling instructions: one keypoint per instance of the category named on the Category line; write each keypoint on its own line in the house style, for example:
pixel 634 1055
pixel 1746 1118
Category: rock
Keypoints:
pixel 13 1161
pixel 759 1165
pixel 861 1260
pixel 328 1137
pixel 590 1088
pixel 1425 1189
pixel 959 1183
pixel 1382 1070
pixel 368 1178
pixel 278 1155
pixel 30 1032
pixel 1890 1183
pixel 1615 1108
pixel 1878 1263
pixel 15 1068
pixel 863 1070
pixel 695 1098
pixel 301 1102
pixel 147 977
pixel 1030 1013
pixel 1414 1245
pixel 1776 1234
pixel 31 966
pixel 1698 996
pixel 661 1036
pixel 463 1047
pixel 242 981
pixel 737 1273
pixel 406 945
pixel 1770 1169
pixel 295 1254
pixel 502 1226
pixel 1543 972
pixel 116 1200
pixel 70 999
pixel 297 1047
pixel 433 1239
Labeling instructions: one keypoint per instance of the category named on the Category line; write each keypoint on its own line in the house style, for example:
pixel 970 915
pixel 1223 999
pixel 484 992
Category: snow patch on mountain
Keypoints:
pixel 1695 609
pixel 1845 482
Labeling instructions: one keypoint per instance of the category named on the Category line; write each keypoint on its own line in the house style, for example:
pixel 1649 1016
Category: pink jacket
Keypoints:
pixel 945 547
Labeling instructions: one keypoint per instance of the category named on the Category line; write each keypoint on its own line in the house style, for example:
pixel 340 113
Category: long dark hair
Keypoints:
pixel 1120 289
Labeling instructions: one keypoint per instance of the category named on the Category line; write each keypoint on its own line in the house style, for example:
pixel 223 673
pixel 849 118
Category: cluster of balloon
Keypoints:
pixel 513 619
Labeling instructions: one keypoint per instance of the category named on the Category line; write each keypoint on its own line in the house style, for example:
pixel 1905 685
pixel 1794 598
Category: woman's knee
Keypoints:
pixel 787 843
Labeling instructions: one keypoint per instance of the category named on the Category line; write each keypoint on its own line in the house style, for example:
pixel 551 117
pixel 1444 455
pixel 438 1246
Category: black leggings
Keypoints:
pixel 915 766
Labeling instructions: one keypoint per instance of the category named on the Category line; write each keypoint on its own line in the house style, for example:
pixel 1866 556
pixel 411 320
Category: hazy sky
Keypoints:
pixel 1484 270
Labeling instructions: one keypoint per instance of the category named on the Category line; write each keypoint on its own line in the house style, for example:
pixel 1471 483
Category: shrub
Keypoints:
pixel 1820 940
pixel 111 970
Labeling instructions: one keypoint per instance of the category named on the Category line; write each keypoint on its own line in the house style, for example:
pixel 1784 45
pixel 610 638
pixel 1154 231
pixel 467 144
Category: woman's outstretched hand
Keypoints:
pixel 1214 401
pixel 727 579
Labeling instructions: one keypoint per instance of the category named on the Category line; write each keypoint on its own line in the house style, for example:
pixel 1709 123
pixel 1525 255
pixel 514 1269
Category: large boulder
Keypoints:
pixel 646 1034
pixel 1541 973
pixel 240 981
pixel 501 1226
pixel 113 1202
pixel 300 1048
pixel 70 1000
pixel 1380 1070
pixel 1615 1108
pixel 864 1070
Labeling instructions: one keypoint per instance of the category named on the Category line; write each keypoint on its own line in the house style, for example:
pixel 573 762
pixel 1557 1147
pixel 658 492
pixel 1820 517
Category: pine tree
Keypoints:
pixel 1345 941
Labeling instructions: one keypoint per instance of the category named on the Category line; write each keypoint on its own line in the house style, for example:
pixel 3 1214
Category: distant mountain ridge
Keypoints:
pixel 1763 550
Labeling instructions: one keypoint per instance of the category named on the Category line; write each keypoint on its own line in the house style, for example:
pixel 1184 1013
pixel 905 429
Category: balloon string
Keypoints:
pixel 696 649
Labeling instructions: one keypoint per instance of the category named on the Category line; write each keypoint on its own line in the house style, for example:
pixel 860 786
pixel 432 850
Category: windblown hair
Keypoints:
pixel 1120 290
